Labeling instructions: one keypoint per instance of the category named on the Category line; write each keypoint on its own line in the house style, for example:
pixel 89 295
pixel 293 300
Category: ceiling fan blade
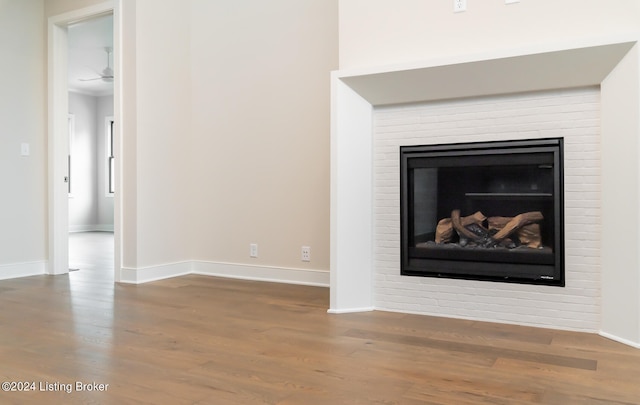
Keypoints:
pixel 107 73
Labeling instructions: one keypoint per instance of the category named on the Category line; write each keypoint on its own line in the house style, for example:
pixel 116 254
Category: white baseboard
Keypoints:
pixel 91 228
pixel 80 228
pixel 154 273
pixel 227 270
pixel 318 278
pixel 16 270
pixel 141 275
pixel 350 310
pixel 620 340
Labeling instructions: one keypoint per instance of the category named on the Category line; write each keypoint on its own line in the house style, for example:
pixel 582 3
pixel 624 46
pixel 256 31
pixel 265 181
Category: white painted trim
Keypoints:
pixel 351 199
pixel 117 141
pixel 91 228
pixel 505 53
pixel 439 83
pixel 80 14
pixel 318 278
pixel 350 310
pixel 284 275
pixel 486 320
pixel 58 201
pixel 58 146
pixel 154 273
pixel 620 340
pixel 17 270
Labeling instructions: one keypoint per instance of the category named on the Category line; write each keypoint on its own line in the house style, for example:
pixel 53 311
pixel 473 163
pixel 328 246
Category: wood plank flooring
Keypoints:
pixel 205 340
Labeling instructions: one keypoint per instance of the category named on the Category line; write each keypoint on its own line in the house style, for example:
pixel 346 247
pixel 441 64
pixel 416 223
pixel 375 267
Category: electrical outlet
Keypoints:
pixel 253 250
pixel 459 6
pixel 306 254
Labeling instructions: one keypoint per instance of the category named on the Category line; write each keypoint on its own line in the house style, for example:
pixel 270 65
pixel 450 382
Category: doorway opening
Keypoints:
pixel 90 72
pixel 83 187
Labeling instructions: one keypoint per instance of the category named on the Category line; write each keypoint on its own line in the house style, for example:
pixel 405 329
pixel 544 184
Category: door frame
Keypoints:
pixel 58 140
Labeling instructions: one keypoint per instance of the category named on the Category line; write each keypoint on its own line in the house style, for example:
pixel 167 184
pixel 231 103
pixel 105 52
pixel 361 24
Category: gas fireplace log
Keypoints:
pixel 529 235
pixel 518 222
pixel 477 235
pixel 497 223
pixel 471 229
pixel 485 239
pixel 463 232
pixel 444 230
pixel 480 235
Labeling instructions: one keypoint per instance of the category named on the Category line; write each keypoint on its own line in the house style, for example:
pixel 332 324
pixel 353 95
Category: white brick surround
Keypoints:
pixel 587 92
pixel 571 114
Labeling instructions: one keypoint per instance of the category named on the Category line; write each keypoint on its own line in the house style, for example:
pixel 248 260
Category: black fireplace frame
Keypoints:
pixel 482 265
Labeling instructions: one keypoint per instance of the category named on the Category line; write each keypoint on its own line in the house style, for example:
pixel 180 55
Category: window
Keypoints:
pixel 110 158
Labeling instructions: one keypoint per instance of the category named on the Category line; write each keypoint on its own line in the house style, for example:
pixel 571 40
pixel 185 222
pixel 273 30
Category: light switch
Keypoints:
pixel 24 149
pixel 459 6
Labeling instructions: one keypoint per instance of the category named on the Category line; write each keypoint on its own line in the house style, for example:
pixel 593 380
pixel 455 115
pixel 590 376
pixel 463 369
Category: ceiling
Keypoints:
pixel 87 57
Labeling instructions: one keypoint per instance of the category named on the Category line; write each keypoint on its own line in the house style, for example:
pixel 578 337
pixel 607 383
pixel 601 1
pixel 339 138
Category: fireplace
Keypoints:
pixel 374 112
pixel 484 211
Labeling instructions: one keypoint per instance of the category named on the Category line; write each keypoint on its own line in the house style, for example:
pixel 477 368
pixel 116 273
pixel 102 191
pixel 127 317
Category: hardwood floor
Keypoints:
pixel 205 340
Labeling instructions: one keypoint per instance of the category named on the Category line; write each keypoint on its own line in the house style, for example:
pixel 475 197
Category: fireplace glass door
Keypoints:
pixel 486 211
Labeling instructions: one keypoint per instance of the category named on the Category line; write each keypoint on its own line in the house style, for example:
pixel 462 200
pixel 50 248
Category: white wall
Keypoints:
pixel 162 134
pixel 22 114
pixel 127 148
pixel 83 207
pixel 621 202
pixel 383 32
pixel 55 7
pixel 207 85
pixel 260 78
pixel 271 101
pixel 211 121
pixel 90 207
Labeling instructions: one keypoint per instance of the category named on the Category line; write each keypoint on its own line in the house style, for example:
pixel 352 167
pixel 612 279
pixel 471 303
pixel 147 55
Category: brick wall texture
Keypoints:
pixel 571 114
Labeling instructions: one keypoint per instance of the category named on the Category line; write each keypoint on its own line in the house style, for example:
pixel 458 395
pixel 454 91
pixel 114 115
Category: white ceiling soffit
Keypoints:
pixel 579 67
pixel 87 58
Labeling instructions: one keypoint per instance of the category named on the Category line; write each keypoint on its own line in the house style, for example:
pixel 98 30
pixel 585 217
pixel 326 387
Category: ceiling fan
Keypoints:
pixel 107 73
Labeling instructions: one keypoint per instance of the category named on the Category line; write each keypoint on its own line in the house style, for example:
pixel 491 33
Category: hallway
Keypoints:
pixel 91 258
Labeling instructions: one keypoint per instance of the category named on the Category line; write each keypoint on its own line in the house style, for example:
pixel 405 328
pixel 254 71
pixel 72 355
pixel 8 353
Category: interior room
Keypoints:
pixel 90 163
pixel 243 160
